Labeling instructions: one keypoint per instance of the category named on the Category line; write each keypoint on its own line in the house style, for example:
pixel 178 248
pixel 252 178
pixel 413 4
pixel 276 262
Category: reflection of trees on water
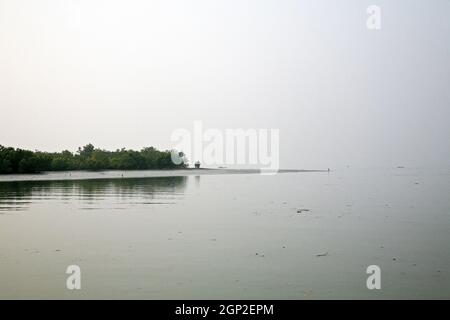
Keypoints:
pixel 19 195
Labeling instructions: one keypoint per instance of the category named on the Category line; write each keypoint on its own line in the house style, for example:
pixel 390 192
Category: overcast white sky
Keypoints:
pixel 128 73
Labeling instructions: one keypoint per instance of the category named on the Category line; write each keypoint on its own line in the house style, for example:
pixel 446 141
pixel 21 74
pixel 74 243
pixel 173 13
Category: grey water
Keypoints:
pixel 200 235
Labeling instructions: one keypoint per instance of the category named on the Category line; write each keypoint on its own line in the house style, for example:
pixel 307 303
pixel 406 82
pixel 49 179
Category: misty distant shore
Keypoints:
pixel 123 174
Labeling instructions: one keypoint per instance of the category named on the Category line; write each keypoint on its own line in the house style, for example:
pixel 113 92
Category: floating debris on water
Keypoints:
pixel 322 254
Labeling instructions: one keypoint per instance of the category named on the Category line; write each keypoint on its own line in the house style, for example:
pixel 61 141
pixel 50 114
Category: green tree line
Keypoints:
pixel 86 158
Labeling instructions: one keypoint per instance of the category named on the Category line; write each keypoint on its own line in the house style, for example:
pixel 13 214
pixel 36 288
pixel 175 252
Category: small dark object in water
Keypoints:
pixel 302 210
pixel 322 254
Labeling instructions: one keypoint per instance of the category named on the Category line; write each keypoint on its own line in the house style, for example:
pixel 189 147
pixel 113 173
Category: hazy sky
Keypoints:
pixel 128 73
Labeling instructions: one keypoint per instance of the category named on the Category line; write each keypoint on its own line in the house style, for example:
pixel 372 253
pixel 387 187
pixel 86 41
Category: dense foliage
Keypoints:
pixel 86 158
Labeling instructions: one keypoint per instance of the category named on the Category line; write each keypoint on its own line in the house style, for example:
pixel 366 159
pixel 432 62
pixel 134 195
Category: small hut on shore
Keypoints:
pixel 197 165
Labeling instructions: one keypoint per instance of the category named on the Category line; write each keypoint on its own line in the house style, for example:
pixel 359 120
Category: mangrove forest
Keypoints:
pixel 15 160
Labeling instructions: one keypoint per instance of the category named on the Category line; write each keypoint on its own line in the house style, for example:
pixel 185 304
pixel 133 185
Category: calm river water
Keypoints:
pixel 189 235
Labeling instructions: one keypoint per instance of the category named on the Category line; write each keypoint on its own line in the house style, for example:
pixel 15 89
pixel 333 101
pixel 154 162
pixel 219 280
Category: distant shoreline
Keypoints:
pixel 128 174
